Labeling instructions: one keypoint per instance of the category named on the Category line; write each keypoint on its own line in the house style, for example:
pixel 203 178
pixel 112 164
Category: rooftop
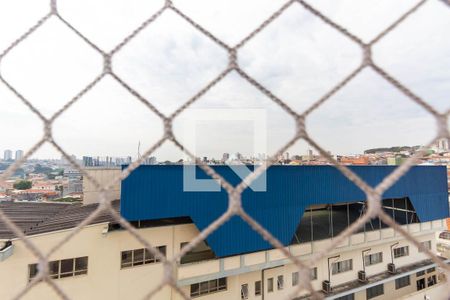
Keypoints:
pixel 36 218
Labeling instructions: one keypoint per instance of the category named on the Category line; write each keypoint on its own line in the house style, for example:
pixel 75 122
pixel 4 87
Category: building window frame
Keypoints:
pixel 445 235
pixel 346 297
pixel 295 278
pixel 139 257
pixel 342 266
pixel 373 259
pixel 402 282
pixel 67 267
pixel 208 287
pixel 432 280
pixel 244 291
pixel 280 282
pixel 258 288
pixel 425 244
pixel 375 291
pixel 270 285
pixel 401 251
pixel 313 273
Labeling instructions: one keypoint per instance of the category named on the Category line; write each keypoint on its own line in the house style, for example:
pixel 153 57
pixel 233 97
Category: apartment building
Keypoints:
pixel 103 261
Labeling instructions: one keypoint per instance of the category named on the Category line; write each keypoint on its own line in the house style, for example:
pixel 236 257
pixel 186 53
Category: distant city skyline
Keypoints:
pixel 442 144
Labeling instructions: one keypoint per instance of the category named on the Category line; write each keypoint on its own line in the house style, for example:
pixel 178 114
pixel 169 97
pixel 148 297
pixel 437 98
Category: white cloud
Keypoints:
pixel 298 57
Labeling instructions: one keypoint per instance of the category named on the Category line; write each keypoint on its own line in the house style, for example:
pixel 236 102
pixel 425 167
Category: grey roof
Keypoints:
pixel 35 218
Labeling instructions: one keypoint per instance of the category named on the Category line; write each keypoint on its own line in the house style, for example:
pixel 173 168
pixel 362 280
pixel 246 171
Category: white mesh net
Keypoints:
pixel 235 208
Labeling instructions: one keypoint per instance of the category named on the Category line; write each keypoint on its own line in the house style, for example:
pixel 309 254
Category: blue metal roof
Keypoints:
pixel 155 192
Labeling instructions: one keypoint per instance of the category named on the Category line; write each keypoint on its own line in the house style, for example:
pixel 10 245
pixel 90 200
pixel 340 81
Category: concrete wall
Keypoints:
pixel 104 176
pixel 437 293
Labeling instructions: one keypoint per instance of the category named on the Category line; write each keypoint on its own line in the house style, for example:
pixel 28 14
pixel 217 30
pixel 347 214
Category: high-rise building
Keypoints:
pixel 238 156
pixel 150 160
pixel 19 154
pixel 88 161
pixel 443 144
pixel 225 156
pixel 7 155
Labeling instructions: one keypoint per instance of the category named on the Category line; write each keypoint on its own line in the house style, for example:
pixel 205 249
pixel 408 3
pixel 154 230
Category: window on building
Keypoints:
pixel 210 286
pixel 269 285
pixel 313 273
pixel 346 297
pixel 137 257
pixel 258 288
pixel 426 245
pixel 62 268
pixel 342 266
pixel 430 270
pixel 373 259
pixel 420 273
pixel 420 284
pixel 32 271
pixel 244 291
pixel 280 282
pixel 53 267
pixel 445 235
pixel 294 278
pixel 402 282
pixel 431 280
pixel 375 291
pixel 200 252
pixel 441 247
pixel 401 251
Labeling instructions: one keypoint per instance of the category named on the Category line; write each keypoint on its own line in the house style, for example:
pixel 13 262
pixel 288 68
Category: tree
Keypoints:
pixel 22 185
pixel 60 188
pixel 40 169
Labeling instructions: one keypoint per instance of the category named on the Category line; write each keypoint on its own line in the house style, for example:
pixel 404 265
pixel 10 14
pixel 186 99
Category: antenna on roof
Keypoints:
pixel 139 150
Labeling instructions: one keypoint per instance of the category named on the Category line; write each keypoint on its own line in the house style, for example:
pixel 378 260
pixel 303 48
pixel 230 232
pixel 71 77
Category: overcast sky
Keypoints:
pixel 297 57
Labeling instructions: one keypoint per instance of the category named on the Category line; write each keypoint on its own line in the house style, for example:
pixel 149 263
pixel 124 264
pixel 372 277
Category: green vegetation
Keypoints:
pixel 40 169
pixel 392 149
pixel 22 185
pixel 51 173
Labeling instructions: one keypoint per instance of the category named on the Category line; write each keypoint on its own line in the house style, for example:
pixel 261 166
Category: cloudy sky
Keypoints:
pixel 297 57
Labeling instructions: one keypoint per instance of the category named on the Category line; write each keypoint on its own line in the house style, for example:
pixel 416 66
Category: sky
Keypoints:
pixel 297 57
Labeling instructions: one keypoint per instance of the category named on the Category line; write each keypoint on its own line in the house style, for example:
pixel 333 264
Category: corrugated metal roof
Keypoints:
pixel 27 215
pixel 156 192
pixel 36 218
pixel 71 217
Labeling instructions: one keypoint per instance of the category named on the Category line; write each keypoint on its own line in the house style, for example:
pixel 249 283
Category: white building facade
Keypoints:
pixel 102 263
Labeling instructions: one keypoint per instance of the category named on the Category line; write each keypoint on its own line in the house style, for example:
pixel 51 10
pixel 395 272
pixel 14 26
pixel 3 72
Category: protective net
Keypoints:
pixel 235 208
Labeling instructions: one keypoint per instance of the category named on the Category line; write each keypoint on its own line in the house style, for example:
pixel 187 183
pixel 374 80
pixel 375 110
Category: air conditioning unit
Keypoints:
pixel 362 276
pixel 326 286
pixel 391 268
